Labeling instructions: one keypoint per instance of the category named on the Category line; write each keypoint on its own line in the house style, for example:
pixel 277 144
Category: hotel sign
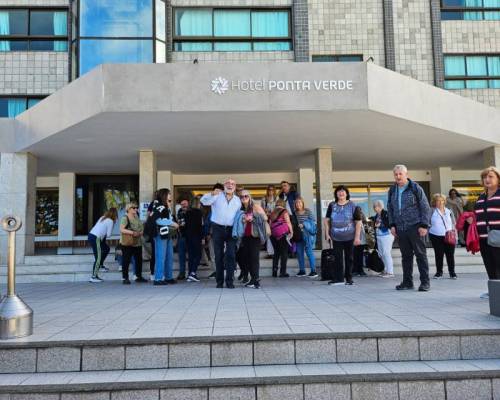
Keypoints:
pixel 222 85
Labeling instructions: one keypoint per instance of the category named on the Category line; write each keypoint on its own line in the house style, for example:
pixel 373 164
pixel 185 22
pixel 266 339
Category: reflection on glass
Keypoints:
pixel 193 22
pixel 454 85
pixel 232 46
pixel 116 18
pixel 13 22
pixel 12 107
pixel 193 46
pixel 48 23
pixel 359 195
pixel 270 23
pixel 47 212
pixel 161 55
pixel 160 20
pixel 272 46
pixel 48 45
pixel 232 23
pixel 95 52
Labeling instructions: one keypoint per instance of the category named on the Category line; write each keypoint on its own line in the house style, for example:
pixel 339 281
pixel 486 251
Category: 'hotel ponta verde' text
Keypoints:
pixel 299 85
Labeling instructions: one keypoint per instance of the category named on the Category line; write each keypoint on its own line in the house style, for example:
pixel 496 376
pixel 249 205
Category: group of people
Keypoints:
pixel 239 227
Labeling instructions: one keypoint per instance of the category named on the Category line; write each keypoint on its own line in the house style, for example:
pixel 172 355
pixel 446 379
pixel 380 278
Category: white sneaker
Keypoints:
pixel 134 277
pixel 152 278
pixel 336 284
pixel 484 295
pixel 95 279
pixel 120 268
pixel 192 278
pixel 387 276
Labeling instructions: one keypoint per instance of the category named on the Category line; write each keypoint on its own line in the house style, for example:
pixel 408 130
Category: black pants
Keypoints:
pixel 224 260
pixel 152 259
pixel 128 253
pixel 194 252
pixel 280 253
pixel 358 258
pixel 440 250
pixel 412 244
pixel 248 255
pixel 491 259
pixel 342 263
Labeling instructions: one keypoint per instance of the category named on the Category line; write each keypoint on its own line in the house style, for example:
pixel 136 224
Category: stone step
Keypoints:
pixel 247 350
pixel 437 380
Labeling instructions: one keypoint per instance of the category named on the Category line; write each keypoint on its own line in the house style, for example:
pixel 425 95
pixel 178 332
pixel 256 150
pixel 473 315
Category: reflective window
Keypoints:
pixel 116 18
pixel 13 22
pixel 47 212
pixel 203 29
pixel 51 23
pixel 11 107
pixel 160 20
pixel 95 52
pixel 337 58
pixel 471 71
pixel 470 10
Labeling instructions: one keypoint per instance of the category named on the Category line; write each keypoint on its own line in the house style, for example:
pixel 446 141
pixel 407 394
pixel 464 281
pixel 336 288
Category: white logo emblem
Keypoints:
pixel 220 85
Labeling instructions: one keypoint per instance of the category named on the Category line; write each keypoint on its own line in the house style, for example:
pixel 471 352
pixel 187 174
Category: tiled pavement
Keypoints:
pixel 82 311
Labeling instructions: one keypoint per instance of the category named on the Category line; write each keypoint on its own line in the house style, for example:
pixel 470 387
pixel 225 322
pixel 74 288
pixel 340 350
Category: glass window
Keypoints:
pixel 160 20
pixel 47 212
pixel 272 46
pixel 161 55
pixel 193 46
pixel 451 15
pixel 453 3
pixel 476 84
pixel 95 52
pixel 193 22
pixel 12 107
pixel 491 3
pixel 14 45
pixel 232 46
pixel 32 102
pixel 231 23
pixel 116 18
pixel 454 66
pixel 13 22
pixel 48 23
pixel 454 84
pixel 494 84
pixel 270 24
pixel 333 58
pixel 48 45
pixel 476 66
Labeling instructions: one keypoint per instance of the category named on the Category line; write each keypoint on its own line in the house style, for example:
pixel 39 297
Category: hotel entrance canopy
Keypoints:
pixel 250 118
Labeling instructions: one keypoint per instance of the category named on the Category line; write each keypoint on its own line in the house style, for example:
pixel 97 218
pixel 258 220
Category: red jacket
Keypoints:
pixel 472 242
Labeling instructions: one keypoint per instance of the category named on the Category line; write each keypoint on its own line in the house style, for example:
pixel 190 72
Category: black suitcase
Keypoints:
pixel 327 258
pixel 374 262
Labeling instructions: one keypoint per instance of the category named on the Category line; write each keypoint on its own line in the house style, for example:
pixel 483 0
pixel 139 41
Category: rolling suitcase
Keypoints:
pixel 327 258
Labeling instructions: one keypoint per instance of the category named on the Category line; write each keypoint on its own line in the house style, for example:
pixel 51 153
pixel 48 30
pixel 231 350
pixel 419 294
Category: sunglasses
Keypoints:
pixel 134 208
pixel 246 196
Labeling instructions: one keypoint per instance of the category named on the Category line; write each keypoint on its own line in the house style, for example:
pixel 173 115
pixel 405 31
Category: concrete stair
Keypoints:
pixel 75 268
pixel 434 365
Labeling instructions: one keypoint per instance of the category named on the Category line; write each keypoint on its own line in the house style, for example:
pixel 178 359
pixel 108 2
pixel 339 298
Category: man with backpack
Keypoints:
pixel 409 219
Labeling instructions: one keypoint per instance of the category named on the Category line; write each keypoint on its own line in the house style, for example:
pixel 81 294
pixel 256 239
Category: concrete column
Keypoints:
pixel 18 197
pixel 66 220
pixel 491 157
pixel 306 184
pixel 442 180
pixel 324 190
pixel 165 180
pixel 147 175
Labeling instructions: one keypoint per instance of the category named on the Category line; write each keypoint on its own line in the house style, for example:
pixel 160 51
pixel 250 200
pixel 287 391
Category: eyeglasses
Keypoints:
pixel 246 196
pixel 134 208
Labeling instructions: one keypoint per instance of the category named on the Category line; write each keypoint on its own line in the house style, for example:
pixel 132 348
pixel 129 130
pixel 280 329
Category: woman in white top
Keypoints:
pixel 97 240
pixel 442 221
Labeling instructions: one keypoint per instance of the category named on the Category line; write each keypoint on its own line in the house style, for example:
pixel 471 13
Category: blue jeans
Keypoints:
pixel 194 252
pixel 301 249
pixel 181 249
pixel 224 260
pixel 164 259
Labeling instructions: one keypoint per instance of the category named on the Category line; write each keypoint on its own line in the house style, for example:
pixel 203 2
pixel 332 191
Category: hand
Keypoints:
pixel 357 242
pixel 377 224
pixel 422 232
pixel 393 231
pixel 470 220
pixel 216 192
pixel 328 238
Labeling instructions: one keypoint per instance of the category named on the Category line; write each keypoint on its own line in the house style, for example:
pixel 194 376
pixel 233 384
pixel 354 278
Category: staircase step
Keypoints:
pixel 404 380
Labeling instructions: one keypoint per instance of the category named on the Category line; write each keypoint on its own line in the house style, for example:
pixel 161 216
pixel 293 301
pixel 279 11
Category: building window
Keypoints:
pixel 472 71
pixel 33 30
pixel 339 58
pixel 206 29
pixel 117 31
pixel 47 212
pixel 11 107
pixel 470 10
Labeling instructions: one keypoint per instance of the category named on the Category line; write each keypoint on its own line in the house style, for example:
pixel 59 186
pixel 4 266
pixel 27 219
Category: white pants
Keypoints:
pixel 384 251
pixel 269 247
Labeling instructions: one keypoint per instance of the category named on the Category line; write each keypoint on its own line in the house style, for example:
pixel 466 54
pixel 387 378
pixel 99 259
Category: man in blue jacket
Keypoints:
pixel 409 219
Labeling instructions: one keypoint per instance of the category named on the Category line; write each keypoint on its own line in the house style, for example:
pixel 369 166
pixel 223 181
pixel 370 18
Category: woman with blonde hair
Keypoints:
pixel 306 222
pixel 487 209
pixel 131 229
pixel 281 232
pixel 97 240
pixel 443 243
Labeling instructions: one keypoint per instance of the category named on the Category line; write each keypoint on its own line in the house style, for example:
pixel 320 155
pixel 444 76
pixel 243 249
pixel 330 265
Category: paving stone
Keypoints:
pixel 189 355
pixel 100 358
pixel 183 394
pixel 315 351
pixel 274 352
pixel 496 389
pixel 374 391
pixel 58 359
pixel 280 392
pixel 421 390
pixel 147 356
pixel 35 396
pixel 86 396
pixel 327 391
pixel 356 350
pixel 398 349
pixel 477 389
pixel 17 360
pixel 480 346
pixel 237 353
pixel 232 393
pixel 440 348
pixel 136 395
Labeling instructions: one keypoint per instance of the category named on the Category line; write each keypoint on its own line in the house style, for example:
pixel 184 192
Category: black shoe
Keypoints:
pixel 230 285
pixel 126 282
pixel 275 272
pixel 171 281
pixel 453 275
pixel 240 276
pixel 312 274
pixel 181 276
pixel 301 273
pixel 349 283
pixel 403 286
pixel 285 275
pixel 424 287
pixel 212 275
pixel 159 283
pixel 140 280
pixel 363 273
pixel 438 275
pixel 219 286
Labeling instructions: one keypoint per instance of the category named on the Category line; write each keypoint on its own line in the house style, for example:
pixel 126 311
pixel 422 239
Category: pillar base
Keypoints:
pixel 16 318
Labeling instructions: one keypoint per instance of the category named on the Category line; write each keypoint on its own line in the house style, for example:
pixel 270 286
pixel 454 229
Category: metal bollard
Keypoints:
pixel 16 317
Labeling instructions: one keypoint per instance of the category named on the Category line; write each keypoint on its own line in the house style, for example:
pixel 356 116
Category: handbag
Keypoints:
pixel 127 239
pixel 297 232
pixel 450 237
pixel 493 234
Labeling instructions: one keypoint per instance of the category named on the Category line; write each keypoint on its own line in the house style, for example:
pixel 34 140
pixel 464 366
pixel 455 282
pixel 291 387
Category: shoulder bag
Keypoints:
pixel 493 234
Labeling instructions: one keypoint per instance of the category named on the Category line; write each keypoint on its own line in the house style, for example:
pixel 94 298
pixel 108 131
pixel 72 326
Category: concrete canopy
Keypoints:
pixel 255 118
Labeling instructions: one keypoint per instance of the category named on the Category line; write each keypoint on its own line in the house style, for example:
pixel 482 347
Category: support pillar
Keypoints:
pixel 165 180
pixel 66 219
pixel 18 197
pixel 491 157
pixel 442 180
pixel 324 192
pixel 147 175
pixel 306 184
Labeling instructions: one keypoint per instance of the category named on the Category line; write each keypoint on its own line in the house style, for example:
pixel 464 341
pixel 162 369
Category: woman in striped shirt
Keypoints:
pixel 487 211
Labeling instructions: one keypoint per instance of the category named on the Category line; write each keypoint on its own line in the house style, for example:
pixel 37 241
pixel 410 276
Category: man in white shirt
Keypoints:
pixel 224 205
